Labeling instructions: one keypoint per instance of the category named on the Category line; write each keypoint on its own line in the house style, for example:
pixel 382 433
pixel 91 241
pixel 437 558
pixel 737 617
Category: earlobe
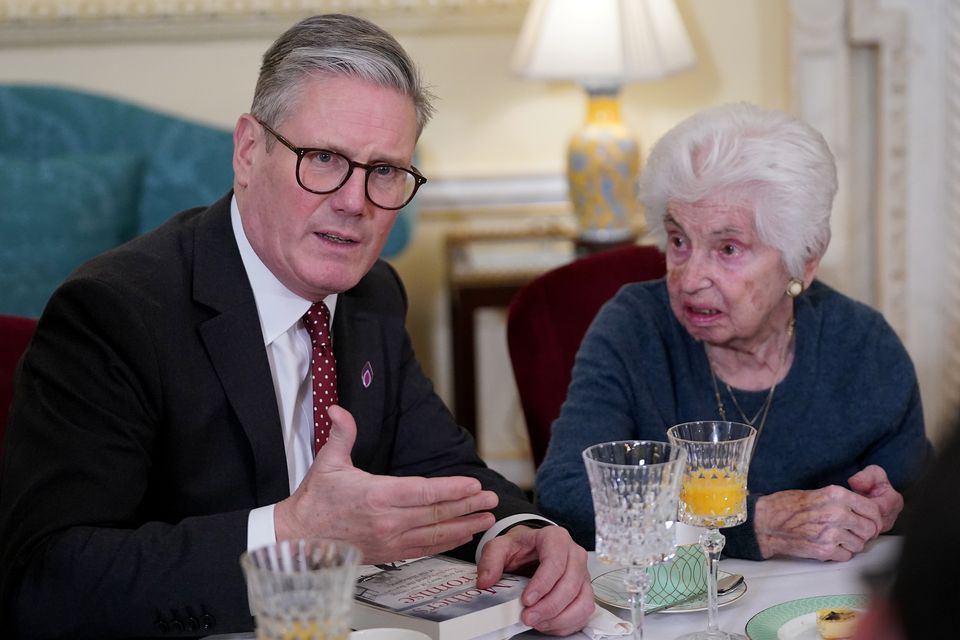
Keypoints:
pixel 810 272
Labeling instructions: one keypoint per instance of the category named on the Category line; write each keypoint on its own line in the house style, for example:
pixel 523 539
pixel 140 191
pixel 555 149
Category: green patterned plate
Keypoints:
pixel 767 624
pixel 608 590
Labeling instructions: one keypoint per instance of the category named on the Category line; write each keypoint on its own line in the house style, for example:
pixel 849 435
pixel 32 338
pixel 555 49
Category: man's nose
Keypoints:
pixel 352 196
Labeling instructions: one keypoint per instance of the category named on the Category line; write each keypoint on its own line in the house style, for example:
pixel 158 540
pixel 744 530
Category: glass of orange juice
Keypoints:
pixel 713 494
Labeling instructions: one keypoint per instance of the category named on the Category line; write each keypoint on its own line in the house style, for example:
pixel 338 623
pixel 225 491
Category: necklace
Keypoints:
pixel 765 407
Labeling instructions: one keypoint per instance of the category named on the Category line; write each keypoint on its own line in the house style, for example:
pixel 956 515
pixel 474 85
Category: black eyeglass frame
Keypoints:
pixel 419 178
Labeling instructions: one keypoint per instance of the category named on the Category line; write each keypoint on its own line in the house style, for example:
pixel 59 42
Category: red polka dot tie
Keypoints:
pixel 323 368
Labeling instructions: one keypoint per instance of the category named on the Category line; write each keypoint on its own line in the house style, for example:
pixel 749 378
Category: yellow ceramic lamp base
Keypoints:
pixel 603 165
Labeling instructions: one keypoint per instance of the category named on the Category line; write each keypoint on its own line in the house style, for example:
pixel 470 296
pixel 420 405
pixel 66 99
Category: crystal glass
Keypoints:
pixel 302 589
pixel 635 486
pixel 714 495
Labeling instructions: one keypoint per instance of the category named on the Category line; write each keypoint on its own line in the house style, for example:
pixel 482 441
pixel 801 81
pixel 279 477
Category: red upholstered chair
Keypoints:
pixel 548 318
pixel 15 334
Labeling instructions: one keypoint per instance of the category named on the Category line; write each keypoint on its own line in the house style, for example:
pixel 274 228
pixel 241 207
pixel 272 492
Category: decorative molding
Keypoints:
pixel 884 87
pixel 816 23
pixel 821 96
pixel 33 22
pixel 493 192
pixel 825 36
pixel 886 30
pixel 951 368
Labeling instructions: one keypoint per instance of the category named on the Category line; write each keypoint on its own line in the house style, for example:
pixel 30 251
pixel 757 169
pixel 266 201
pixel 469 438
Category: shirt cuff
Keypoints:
pixel 260 529
pixel 502 525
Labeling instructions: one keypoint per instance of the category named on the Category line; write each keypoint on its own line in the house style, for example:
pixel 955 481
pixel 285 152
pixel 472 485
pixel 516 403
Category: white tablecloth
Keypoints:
pixel 768 583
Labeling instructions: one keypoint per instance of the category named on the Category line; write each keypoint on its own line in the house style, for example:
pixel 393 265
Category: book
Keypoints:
pixel 438 596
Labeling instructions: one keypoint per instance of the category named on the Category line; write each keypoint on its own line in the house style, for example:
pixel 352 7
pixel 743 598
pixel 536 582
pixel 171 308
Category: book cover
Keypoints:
pixel 438 596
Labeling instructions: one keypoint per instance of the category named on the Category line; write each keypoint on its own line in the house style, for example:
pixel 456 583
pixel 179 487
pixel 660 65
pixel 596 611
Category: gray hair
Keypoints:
pixel 783 164
pixel 341 45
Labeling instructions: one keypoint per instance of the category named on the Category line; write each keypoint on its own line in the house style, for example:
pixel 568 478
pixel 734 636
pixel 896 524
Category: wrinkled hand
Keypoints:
pixel 871 482
pixel 558 600
pixel 832 523
pixel 388 518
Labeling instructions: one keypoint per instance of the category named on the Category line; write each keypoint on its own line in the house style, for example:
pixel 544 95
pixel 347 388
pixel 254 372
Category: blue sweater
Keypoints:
pixel 849 400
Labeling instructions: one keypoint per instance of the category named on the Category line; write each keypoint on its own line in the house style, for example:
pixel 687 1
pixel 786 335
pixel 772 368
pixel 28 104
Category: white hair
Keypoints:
pixel 783 164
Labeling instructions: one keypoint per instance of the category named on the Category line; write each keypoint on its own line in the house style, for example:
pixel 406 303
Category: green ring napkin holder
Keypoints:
pixel 678 580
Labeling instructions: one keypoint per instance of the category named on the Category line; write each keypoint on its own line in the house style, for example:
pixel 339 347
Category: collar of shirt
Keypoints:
pixel 278 307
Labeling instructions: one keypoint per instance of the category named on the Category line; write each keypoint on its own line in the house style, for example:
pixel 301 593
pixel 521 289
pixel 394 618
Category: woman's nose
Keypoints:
pixel 695 273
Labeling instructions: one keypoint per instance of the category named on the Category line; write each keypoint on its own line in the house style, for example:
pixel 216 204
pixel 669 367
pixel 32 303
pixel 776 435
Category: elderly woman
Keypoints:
pixel 740 330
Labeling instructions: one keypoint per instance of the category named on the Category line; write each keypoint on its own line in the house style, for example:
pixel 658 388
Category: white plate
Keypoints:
pixel 791 620
pixel 801 628
pixel 608 590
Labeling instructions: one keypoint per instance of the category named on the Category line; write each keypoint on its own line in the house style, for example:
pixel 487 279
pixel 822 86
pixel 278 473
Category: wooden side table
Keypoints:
pixel 485 268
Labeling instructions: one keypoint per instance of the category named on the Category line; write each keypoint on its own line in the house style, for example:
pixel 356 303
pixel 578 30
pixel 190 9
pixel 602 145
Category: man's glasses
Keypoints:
pixel 322 171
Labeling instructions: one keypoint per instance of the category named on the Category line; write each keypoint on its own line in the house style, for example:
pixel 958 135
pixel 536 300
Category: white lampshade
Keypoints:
pixel 602 43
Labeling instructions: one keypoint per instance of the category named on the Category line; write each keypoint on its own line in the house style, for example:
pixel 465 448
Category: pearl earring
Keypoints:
pixel 795 288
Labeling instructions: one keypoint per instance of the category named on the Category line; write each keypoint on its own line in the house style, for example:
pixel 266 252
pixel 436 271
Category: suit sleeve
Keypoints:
pixel 82 555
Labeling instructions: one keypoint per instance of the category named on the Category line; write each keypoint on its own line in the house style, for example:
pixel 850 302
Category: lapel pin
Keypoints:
pixel 366 375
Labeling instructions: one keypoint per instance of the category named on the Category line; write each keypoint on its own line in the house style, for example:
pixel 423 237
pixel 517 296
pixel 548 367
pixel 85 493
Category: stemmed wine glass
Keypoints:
pixel 635 486
pixel 713 495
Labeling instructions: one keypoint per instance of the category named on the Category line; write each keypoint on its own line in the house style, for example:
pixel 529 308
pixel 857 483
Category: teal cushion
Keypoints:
pixel 187 164
pixel 57 212
pixel 399 236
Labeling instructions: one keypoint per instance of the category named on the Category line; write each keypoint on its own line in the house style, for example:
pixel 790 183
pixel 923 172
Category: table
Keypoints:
pixel 768 583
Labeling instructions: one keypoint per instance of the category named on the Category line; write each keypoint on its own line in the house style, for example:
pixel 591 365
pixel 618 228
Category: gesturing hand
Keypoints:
pixel 558 599
pixel 871 482
pixel 832 523
pixel 388 518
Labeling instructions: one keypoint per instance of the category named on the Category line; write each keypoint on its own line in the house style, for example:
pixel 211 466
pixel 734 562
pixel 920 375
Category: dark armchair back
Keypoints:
pixel 15 335
pixel 548 318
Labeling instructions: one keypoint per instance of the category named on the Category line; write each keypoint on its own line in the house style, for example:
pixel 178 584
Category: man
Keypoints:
pixel 165 420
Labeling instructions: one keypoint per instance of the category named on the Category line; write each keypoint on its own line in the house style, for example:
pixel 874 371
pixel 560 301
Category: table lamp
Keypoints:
pixel 603 44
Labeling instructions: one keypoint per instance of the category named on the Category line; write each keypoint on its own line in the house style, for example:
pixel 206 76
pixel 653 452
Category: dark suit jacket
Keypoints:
pixel 144 428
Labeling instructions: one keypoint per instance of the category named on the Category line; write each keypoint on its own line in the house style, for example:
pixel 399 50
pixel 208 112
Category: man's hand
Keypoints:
pixel 872 483
pixel 832 523
pixel 388 518
pixel 558 599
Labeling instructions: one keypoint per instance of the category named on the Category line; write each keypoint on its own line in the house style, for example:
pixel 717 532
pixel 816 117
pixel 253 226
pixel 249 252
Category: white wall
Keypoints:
pixel 490 122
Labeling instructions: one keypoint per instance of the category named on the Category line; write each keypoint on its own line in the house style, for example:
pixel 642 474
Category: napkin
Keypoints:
pixel 502 634
pixel 602 624
pixel 606 624
pixel 677 579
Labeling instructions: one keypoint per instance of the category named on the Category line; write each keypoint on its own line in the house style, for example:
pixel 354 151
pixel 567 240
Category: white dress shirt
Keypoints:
pixel 288 352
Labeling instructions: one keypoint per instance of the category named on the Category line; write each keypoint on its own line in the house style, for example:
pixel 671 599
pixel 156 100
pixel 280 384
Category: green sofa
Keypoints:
pixel 81 173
